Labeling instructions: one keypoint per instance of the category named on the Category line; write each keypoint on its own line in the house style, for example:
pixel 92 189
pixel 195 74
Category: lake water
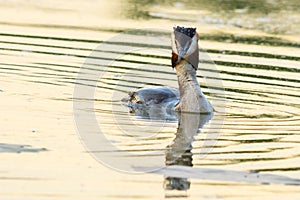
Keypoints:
pixel 65 66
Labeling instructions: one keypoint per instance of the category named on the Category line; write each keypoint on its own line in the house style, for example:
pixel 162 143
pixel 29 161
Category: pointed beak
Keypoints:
pixel 181 53
pixel 178 60
pixel 184 46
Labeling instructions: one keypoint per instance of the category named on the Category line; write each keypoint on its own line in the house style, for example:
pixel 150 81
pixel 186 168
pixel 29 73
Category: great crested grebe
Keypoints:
pixel 189 97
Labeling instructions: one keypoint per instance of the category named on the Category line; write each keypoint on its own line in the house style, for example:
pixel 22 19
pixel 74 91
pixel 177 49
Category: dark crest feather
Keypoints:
pixel 187 31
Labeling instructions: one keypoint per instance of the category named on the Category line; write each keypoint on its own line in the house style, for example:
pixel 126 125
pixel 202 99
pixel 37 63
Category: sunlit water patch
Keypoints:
pixel 257 105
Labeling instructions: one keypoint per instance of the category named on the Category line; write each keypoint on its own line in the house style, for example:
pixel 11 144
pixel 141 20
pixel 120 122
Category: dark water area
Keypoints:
pixel 256 15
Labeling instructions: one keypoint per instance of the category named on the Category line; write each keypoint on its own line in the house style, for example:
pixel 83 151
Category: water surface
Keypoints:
pixel 249 149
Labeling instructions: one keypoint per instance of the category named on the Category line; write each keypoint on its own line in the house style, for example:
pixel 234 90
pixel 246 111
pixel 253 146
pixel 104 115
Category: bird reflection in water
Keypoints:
pixel 180 151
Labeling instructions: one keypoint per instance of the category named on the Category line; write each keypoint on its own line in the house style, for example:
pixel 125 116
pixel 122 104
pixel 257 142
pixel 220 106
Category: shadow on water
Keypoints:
pixel 16 148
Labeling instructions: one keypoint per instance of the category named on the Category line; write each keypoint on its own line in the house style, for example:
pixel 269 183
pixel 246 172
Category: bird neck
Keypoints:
pixel 187 80
pixel 191 97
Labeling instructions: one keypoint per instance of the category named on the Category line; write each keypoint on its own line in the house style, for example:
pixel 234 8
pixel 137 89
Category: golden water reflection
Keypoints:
pixel 255 48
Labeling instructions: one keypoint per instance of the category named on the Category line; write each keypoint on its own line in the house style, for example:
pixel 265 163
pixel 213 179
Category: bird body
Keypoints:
pixel 189 97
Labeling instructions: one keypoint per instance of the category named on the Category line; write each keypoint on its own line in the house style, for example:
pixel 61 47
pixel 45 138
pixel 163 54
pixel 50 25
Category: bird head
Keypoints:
pixel 185 46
